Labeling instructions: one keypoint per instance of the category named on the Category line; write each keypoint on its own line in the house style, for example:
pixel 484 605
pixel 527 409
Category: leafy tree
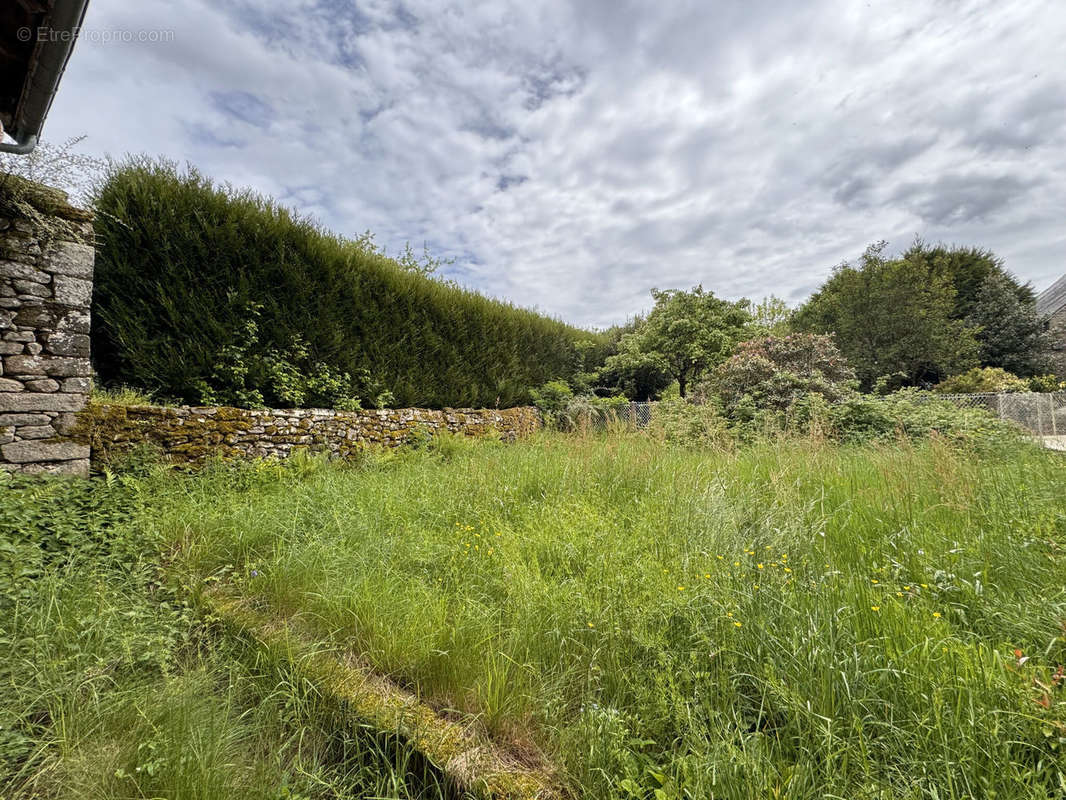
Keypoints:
pixel 685 334
pixel 771 316
pixel 892 316
pixel 774 372
pixel 967 268
pixel 1010 332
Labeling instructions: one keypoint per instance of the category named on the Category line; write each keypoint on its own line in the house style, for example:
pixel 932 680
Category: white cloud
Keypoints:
pixel 574 155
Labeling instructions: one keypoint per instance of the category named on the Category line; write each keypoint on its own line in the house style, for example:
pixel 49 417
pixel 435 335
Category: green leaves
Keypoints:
pixel 686 334
pixel 180 262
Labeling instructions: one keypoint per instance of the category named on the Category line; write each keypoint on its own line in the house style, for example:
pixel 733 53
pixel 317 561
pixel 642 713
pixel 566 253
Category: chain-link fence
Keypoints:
pixel 634 416
pixel 1043 414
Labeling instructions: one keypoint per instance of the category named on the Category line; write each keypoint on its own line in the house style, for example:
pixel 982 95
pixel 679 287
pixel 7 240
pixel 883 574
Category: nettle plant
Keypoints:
pixel 250 375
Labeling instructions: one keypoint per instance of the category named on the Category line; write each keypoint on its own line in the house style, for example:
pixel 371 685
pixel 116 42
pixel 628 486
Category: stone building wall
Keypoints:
pixel 46 270
pixel 1058 343
pixel 190 435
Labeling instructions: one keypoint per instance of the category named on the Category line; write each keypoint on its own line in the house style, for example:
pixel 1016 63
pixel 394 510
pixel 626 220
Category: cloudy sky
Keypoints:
pixel 572 155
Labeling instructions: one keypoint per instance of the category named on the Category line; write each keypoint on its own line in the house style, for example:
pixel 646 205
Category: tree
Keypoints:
pixel 892 316
pixel 685 334
pixel 967 268
pixel 1010 332
pixel 772 316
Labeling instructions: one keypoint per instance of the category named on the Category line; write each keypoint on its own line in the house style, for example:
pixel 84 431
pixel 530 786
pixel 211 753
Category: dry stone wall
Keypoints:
pixel 46 270
pixel 190 435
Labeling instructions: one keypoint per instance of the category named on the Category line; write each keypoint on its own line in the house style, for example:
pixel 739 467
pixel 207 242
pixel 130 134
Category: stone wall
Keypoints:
pixel 189 435
pixel 46 269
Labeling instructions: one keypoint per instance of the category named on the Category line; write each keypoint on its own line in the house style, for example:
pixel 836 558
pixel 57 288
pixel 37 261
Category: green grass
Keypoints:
pixel 791 620
pixel 111 688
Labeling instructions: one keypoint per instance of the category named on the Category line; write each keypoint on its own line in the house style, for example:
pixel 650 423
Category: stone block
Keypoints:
pixel 18 402
pixel 78 467
pixel 72 291
pixel 9 349
pixel 75 321
pixel 43 385
pixel 76 385
pixel 71 258
pixel 23 365
pixel 35 317
pixel 19 420
pixel 7 385
pixel 22 272
pixel 52 366
pixel 67 344
pixel 37 432
pixel 37 450
pixel 30 289
pixel 66 423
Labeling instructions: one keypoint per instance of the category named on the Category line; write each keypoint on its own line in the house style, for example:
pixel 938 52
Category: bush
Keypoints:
pixel 552 398
pixel 1046 383
pixel 686 423
pixel 982 379
pixel 772 373
pixel 180 261
pixel 916 414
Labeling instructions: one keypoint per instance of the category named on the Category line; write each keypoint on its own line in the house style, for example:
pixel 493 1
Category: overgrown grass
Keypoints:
pixel 110 687
pixel 791 619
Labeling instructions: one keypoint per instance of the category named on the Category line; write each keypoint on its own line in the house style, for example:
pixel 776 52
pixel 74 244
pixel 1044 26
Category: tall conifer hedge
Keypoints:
pixel 180 261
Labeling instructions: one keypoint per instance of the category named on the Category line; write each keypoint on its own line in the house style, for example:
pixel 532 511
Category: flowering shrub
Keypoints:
pixel 774 372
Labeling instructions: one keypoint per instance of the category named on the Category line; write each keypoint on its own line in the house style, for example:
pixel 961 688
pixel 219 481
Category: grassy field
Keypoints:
pixel 792 619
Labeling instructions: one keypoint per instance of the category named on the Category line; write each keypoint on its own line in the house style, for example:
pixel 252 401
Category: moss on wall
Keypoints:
pixel 190 435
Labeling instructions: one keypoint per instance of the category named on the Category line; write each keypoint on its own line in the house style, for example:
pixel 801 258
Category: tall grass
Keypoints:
pixel 792 619
pixel 111 688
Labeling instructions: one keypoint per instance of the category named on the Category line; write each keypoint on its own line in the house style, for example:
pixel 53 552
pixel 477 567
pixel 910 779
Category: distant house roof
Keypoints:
pixel 1053 298
pixel 36 40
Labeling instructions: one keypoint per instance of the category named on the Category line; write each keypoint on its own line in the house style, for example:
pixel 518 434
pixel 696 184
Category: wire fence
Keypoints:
pixel 635 416
pixel 1042 414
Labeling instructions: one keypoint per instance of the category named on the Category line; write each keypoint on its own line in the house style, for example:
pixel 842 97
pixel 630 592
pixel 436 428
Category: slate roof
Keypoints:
pixel 36 40
pixel 1053 298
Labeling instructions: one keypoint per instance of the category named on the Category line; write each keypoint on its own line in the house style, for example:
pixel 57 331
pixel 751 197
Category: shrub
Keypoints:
pixel 181 260
pixel 916 414
pixel 982 379
pixel 1046 383
pixel 695 425
pixel 772 373
pixel 552 398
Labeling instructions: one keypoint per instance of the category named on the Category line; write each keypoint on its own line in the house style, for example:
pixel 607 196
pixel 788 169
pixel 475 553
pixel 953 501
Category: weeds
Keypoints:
pixel 793 619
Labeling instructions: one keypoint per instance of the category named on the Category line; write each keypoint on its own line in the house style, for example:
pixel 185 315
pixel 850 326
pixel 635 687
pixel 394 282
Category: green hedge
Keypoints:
pixel 181 262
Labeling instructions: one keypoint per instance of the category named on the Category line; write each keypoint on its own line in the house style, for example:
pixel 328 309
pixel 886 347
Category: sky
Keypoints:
pixel 571 156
